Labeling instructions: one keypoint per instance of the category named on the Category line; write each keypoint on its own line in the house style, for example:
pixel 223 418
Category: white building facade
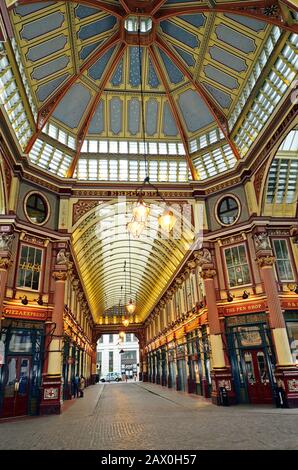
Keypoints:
pixel 118 353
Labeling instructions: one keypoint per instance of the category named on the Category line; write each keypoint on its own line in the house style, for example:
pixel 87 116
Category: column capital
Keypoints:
pixel 59 275
pixel 5 262
pixel 208 273
pixel 265 260
pixel 192 265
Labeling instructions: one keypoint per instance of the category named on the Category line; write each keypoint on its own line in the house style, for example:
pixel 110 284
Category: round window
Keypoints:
pixel 228 210
pixel 37 209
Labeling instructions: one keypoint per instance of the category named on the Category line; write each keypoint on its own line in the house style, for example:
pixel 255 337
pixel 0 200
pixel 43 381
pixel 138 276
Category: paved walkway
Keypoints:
pixel 150 417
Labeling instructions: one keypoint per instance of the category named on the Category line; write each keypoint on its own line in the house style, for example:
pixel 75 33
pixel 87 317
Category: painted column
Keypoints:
pixel 52 382
pixel 5 263
pixel 221 373
pixel 286 372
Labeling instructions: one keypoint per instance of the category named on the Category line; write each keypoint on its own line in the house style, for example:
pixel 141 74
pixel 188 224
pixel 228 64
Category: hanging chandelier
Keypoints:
pixel 141 211
pixel 130 306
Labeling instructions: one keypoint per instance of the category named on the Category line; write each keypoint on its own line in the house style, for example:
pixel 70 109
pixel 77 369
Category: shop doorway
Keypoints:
pixel 16 386
pixel 257 376
pixel 252 363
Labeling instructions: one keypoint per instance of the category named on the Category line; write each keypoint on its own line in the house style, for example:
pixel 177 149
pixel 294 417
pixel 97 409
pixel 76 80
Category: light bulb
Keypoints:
pixel 125 322
pixel 135 228
pixel 167 220
pixel 141 211
pixel 130 307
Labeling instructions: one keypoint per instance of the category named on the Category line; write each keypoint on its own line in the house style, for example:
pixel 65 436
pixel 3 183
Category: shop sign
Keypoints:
pixel 290 304
pixel 25 314
pixel 244 308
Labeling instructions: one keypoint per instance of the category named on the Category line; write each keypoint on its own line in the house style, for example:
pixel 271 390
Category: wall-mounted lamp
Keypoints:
pixel 24 300
pixel 39 300
pixel 230 297
pixel 245 295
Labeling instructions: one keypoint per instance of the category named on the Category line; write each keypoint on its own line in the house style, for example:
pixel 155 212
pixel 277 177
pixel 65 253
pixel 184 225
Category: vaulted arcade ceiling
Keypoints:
pixel 200 62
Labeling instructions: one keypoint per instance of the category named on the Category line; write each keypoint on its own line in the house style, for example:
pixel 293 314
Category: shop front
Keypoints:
pixel 194 364
pixel 22 346
pixel 158 366
pixel 181 368
pixel 252 358
pixel 291 320
pixel 164 371
pixel 171 365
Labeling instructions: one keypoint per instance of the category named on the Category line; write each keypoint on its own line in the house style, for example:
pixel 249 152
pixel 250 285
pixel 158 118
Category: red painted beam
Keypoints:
pixel 124 5
pixel 175 112
pixel 6 21
pixel 107 7
pixel 156 5
pixel 256 9
pixel 216 112
pixel 49 107
pixel 85 126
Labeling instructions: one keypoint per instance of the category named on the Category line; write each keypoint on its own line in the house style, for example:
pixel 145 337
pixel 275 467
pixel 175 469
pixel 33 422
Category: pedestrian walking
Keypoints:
pixel 82 386
pixel 76 383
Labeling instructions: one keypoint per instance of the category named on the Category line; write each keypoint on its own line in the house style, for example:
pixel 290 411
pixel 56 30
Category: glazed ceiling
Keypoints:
pixel 81 68
pixel 101 245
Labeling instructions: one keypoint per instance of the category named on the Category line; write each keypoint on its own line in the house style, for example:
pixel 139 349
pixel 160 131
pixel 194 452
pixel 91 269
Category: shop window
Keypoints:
pixel 237 266
pixel 29 267
pixel 128 337
pixel 111 338
pixel 283 263
pixel 292 328
pixel 36 208
pixel 228 210
pixel 129 355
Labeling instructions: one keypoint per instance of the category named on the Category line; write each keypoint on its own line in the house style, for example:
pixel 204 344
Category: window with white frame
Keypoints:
pixel 237 266
pixel 292 327
pixel 283 262
pixel 29 270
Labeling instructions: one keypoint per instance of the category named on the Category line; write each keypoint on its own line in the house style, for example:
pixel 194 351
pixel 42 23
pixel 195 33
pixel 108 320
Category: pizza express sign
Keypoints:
pixel 25 314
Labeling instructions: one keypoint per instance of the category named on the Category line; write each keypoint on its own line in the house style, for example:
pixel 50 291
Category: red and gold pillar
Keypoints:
pixel 52 382
pixel 5 263
pixel 286 372
pixel 221 371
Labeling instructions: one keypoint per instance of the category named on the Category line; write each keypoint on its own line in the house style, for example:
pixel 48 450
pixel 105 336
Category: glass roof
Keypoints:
pixel 71 87
pixel 282 181
pixel 101 244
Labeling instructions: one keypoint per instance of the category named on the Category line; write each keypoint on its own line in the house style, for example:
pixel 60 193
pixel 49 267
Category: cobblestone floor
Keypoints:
pixel 146 416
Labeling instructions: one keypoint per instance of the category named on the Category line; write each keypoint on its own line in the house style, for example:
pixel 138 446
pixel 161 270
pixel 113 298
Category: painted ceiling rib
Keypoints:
pixel 49 107
pixel 107 7
pixel 157 4
pixel 84 127
pixel 176 116
pixel 269 12
pixel 218 115
pixel 124 6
